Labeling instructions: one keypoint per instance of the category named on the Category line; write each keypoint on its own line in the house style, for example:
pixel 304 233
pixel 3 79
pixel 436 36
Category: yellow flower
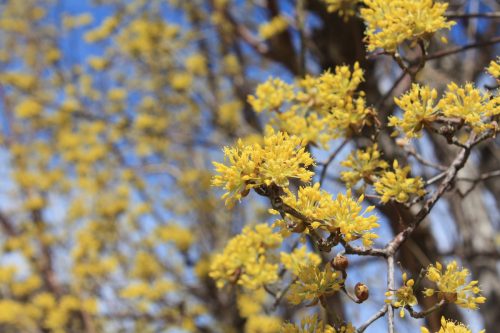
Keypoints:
pixel 311 202
pixel 403 296
pixel 313 284
pixel 292 261
pixel 28 109
pixel 420 109
pixel 494 68
pixel 302 122
pixel 280 158
pixel 311 324
pixel 180 236
pixel 397 186
pixel 448 326
pixel 470 105
pixel 343 214
pixel 390 23
pixel 10 311
pixel 345 8
pixel 262 324
pixel 250 302
pixel 277 25
pixel 196 64
pixel 347 215
pixel 332 95
pixel 317 109
pixel 271 95
pixel 244 260
pixel 452 285
pixel 364 164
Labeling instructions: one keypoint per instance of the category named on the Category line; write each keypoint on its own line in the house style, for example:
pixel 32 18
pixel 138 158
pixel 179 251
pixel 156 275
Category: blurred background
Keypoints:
pixel 111 113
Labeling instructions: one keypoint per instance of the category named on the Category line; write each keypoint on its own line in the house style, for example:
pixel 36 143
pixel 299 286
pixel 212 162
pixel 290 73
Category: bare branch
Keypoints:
pixel 390 286
pixel 379 314
pixel 330 160
pixel 459 49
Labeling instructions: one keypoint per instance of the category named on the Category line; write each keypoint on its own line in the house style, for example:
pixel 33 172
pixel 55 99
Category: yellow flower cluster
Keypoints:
pixel 262 324
pixel 277 25
pixel 470 105
pixel 448 326
pixel 364 165
pixel 103 31
pixel 345 8
pixel 146 266
pixel 390 23
pixel 271 95
pixel 293 261
pixel 147 290
pixel 313 284
pixel 420 109
pixel 317 109
pixel 196 64
pixel 396 184
pixel 348 216
pixel 28 108
pixel 332 95
pixel 43 309
pixel 342 214
pixel 181 237
pixel 77 21
pixel 244 260
pixel 310 126
pixel 494 68
pixel 251 302
pixel 279 158
pixel 452 285
pixel 312 324
pixel 403 296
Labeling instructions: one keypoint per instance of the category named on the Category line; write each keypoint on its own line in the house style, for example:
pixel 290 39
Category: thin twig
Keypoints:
pixel 379 314
pixel 411 151
pixel 390 286
pixel 476 181
pixel 382 99
pixel 301 13
pixel 492 15
pixel 424 314
pixel 459 49
pixel 281 294
pixel 330 160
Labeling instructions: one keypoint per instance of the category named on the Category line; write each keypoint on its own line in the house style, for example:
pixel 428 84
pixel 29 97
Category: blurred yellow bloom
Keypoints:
pixel 277 25
pixel 244 260
pixel 390 23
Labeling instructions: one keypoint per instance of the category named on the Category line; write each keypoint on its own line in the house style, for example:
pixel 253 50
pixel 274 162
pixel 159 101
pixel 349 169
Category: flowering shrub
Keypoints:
pixel 248 166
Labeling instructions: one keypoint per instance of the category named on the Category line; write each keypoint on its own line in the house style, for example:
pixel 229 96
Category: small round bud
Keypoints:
pixel 361 291
pixel 340 263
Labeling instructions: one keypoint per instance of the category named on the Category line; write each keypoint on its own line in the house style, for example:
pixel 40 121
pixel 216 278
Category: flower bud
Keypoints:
pixel 361 291
pixel 340 263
